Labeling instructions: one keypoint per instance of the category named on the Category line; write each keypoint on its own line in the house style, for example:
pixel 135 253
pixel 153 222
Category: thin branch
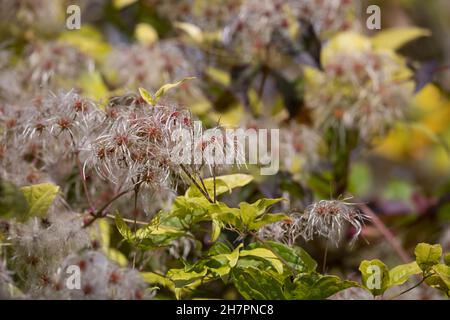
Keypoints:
pixel 204 186
pixel 203 192
pixel 214 183
pixel 409 289
pixel 142 223
pixel 80 171
pixel 389 236
pixel 325 255
pixel 101 212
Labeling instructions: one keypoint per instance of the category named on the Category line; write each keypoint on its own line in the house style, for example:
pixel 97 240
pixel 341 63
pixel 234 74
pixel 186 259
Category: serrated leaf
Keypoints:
pixel 427 255
pixel 39 198
pixel 374 276
pixel 395 38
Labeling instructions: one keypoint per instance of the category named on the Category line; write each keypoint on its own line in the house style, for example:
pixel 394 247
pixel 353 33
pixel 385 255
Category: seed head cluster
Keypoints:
pixel 361 91
pixel 327 219
pixel 100 279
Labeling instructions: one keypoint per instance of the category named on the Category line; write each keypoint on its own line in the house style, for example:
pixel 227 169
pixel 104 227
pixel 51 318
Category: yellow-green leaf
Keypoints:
pixel 119 4
pixel 39 198
pixel 374 276
pixel 400 274
pixel 215 230
pixel 223 184
pixel 427 255
pixel 117 256
pixel 123 228
pixel 161 91
pixel 266 255
pixel 147 96
pixel 88 40
pixel 219 76
pixel 192 30
pixel 145 34
pixel 395 38
pixel 154 278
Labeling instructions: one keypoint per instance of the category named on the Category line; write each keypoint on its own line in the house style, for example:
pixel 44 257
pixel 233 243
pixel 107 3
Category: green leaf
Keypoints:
pixel 153 99
pixel 147 96
pixel 360 180
pixel 154 278
pixel 103 234
pixel 92 85
pixel 253 215
pixel 255 284
pixel 215 230
pixel 447 259
pixel 177 280
pixel 161 91
pixel 223 184
pixel 398 190
pixel 39 198
pixel 219 76
pixel 12 201
pixel 192 30
pixel 266 219
pixel 218 265
pixel 400 274
pixel 145 34
pixel 440 278
pixel 248 213
pixel 374 276
pixel 427 255
pixel 395 38
pixel 297 258
pixel 117 256
pixel 88 40
pixel 316 286
pixel 264 254
pixel 119 4
pixel 152 236
pixel 123 228
pixel 182 278
pixel 218 248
